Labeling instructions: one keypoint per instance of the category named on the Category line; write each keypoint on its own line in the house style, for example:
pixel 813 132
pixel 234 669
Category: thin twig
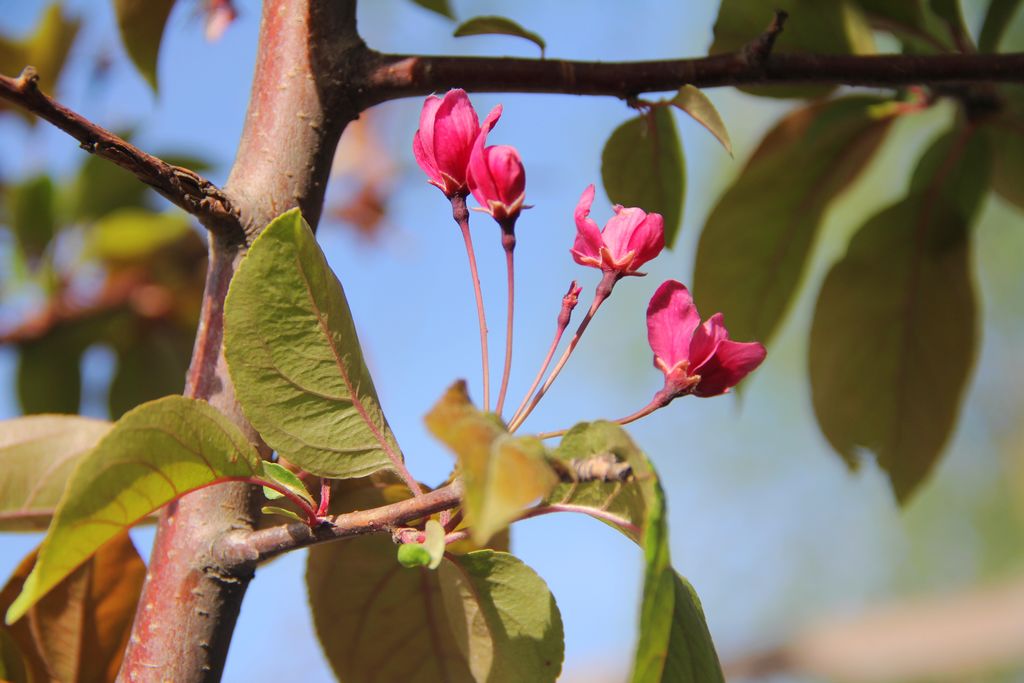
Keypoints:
pixel 182 187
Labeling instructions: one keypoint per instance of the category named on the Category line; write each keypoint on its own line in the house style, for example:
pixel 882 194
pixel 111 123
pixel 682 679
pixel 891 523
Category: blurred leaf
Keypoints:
pixel 151 365
pixel 442 7
pixel 37 455
pixel 366 607
pixel 154 454
pixel 621 504
pixel 12 662
pixel 674 644
pixel 504 618
pixel 758 238
pixel 894 332
pixel 283 512
pixel 502 474
pixel 79 631
pixel 101 187
pixel 491 25
pixel 814 27
pixel 906 12
pixel 31 214
pixel 48 48
pixel 130 234
pixel 1000 13
pixel 49 377
pixel 642 165
pixel 1006 131
pixel 284 477
pixel 295 358
pixel 141 23
pixel 434 542
pixel 695 103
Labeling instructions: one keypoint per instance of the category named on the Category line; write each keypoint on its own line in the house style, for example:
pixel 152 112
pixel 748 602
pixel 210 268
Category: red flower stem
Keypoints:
pixel 325 497
pixel 461 215
pixel 508 241
pixel 604 289
pixel 655 404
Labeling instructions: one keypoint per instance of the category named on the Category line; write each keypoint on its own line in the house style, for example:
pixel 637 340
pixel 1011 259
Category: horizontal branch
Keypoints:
pixel 395 76
pixel 182 187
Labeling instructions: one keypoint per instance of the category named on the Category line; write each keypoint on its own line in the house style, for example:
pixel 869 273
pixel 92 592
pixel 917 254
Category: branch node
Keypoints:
pixel 757 51
pixel 28 79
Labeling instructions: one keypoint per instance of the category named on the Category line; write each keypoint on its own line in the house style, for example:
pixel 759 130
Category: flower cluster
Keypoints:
pixel 694 357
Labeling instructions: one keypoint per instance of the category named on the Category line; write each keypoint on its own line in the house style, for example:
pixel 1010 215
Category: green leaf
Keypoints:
pixel 674 643
pixel 154 454
pixel 642 165
pixel 149 365
pixel 46 49
pixel 835 27
pixel 31 214
pixel 906 13
pixel 100 187
pixel 894 331
pixel 37 455
pixel 1006 132
pixel 366 607
pixel 491 25
pixel 80 630
pixel 293 353
pixel 621 504
pixel 49 378
pixel 281 475
pixel 504 618
pixel 141 23
pixel 129 234
pixel 411 555
pixel 695 103
pixel 1000 13
pixel 502 474
pixel 442 7
pixel 758 239
pixel 283 512
pixel 434 543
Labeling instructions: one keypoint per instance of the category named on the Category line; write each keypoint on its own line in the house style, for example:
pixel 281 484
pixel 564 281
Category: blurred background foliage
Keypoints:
pixel 100 285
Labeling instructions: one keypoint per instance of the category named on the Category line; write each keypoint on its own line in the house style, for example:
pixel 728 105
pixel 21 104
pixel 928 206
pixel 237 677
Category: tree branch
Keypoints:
pixel 182 187
pixel 391 76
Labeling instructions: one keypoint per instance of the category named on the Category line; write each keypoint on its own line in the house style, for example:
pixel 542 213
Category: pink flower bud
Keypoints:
pixel 497 178
pixel 631 238
pixel 444 141
pixel 696 358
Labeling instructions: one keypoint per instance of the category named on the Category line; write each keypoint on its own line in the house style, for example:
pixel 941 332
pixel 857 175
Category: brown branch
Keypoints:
pixel 257 546
pixel 390 76
pixel 182 187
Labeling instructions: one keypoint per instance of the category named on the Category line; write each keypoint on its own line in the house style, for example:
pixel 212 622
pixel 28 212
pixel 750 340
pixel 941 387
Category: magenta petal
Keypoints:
pixel 619 230
pixel 508 173
pixel 731 363
pixel 671 321
pixel 492 118
pixel 706 339
pixel 455 130
pixel 587 248
pixel 648 239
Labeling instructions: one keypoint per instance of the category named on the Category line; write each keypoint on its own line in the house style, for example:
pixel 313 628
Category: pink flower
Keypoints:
pixel 444 141
pixel 630 238
pixel 696 359
pixel 497 178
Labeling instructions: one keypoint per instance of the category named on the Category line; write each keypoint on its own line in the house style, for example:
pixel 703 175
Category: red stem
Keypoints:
pixel 510 269
pixel 461 216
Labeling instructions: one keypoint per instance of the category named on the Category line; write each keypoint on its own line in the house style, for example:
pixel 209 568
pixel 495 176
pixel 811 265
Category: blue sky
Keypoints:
pixel 766 522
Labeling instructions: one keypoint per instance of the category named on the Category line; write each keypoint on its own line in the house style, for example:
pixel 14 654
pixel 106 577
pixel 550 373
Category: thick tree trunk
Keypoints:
pixel 297 112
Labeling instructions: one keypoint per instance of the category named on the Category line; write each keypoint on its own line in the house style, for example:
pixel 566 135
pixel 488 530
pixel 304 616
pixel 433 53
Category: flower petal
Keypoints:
pixel 456 127
pixel 731 363
pixel 671 321
pixel 647 240
pixel 706 339
pixel 619 230
pixel 586 250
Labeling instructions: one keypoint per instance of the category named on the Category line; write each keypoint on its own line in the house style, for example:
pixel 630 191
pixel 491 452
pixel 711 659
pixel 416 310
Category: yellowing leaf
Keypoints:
pixel 642 165
pixel 294 355
pixel 141 23
pixel 37 456
pixel 503 617
pixel 502 474
pixel 491 25
pixel 695 103
pixel 154 454
pixel 894 331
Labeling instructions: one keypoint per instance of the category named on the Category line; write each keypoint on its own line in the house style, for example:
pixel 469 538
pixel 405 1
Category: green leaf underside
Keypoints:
pixel 642 165
pixel 283 512
pixel 621 504
pixel 492 25
pixel 504 618
pixel 501 473
pixel 814 27
pixel 154 454
pixel 366 608
pixel 141 23
pixel 442 7
pixel 696 104
pixel 1000 13
pixel 894 337
pixel 757 241
pixel 37 455
pixel 294 356
pixel 674 645
pixel 284 477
